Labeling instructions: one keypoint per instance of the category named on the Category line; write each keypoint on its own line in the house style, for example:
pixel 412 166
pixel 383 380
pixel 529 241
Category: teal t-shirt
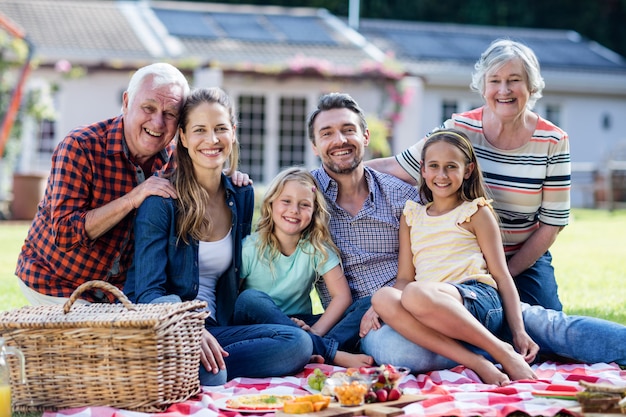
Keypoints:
pixel 290 280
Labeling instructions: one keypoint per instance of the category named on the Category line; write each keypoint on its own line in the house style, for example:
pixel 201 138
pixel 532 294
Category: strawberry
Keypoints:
pixel 381 395
pixel 394 394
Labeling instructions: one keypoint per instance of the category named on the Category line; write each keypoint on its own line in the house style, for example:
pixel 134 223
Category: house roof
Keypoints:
pixel 231 36
pixel 84 31
pixel 420 44
pixel 247 38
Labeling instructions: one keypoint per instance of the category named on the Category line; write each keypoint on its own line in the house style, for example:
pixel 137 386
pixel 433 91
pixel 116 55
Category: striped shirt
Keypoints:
pixel 90 168
pixel 369 241
pixel 529 185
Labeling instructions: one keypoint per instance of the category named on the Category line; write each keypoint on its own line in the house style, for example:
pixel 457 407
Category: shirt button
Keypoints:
pixel 230 203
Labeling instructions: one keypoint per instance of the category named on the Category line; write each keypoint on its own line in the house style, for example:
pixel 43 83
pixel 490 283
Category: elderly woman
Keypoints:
pixel 525 160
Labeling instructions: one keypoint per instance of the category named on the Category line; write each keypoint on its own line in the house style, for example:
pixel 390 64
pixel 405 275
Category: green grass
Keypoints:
pixel 590 263
pixel 588 258
pixel 13 234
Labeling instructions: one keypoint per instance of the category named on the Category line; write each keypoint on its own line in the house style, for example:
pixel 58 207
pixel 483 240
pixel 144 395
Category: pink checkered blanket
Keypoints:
pixel 456 391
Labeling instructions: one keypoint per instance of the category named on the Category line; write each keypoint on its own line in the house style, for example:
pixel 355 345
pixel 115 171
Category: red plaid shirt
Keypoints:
pixel 90 168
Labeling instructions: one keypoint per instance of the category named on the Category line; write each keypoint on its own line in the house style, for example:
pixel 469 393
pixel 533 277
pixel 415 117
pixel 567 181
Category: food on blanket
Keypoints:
pixel 260 402
pixel 381 395
pixel 307 404
pixel 387 379
pixel 351 393
pixel 316 379
pixel 602 398
pixel 293 407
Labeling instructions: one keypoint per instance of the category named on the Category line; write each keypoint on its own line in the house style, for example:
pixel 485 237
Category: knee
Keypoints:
pixel 383 297
pixel 418 298
pixel 302 349
pixel 209 379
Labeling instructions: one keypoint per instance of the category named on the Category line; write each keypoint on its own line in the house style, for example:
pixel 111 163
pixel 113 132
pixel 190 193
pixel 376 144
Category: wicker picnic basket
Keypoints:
pixel 141 357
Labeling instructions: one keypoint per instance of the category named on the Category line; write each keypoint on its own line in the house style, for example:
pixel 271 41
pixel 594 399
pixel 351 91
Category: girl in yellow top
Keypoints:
pixel 453 286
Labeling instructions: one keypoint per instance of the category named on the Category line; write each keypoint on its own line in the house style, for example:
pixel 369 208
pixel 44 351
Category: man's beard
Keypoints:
pixel 334 168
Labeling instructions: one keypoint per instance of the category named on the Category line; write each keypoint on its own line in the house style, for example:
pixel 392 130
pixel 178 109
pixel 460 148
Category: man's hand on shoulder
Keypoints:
pixel 240 179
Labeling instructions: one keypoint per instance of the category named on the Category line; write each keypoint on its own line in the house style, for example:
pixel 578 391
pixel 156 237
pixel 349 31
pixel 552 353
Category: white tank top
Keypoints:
pixel 214 258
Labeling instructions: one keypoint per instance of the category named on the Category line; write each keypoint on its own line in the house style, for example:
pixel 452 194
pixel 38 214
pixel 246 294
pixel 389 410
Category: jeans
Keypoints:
pixel 256 307
pixel 259 351
pixel 346 331
pixel 537 285
pixel 483 302
pixel 579 338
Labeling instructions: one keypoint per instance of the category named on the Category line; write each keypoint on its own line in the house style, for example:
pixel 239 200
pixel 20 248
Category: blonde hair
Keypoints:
pixel 192 202
pixel 316 233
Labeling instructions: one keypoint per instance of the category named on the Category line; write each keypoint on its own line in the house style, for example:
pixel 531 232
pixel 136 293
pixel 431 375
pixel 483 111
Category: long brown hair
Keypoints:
pixel 192 202
pixel 474 186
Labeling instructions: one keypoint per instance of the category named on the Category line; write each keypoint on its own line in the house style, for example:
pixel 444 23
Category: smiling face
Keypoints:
pixel 151 119
pixel 444 168
pixel 208 136
pixel 506 89
pixel 292 209
pixel 339 141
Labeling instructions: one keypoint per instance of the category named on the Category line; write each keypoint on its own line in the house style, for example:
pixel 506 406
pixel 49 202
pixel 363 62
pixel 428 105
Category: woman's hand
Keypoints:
pixel 211 353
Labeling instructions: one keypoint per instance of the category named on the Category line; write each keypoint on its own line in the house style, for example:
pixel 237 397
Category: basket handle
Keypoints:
pixel 103 285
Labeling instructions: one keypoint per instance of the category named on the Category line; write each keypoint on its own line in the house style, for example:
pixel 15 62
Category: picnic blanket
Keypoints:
pixel 451 392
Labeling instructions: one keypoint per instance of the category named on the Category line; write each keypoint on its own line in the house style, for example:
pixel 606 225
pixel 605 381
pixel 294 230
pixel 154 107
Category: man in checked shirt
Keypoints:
pixel 100 174
pixel 365 208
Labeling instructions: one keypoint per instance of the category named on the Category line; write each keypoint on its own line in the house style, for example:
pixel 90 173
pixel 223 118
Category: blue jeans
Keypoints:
pixel 257 307
pixel 579 338
pixel 346 331
pixel 537 285
pixel 483 302
pixel 259 351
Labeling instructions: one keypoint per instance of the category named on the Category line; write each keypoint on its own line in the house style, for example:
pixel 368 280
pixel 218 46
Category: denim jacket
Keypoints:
pixel 166 270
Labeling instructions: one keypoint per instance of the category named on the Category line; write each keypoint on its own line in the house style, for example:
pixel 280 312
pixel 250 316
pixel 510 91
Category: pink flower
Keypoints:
pixel 63 66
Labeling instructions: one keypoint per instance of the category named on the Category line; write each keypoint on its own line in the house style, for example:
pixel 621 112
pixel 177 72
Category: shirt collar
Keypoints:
pixel 329 185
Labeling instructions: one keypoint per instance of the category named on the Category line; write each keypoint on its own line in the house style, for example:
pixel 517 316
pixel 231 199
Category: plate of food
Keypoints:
pixel 254 403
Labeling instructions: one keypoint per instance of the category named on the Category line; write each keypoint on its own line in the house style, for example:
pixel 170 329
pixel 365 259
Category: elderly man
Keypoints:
pixel 100 174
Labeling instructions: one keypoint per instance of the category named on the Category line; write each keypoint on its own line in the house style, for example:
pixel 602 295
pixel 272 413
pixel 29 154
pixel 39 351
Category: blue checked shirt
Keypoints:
pixel 368 242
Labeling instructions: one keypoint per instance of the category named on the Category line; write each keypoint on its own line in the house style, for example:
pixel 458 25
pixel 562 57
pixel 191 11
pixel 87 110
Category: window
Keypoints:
pixel 251 134
pixel 292 145
pixel 47 142
pixel 447 109
pixel 553 114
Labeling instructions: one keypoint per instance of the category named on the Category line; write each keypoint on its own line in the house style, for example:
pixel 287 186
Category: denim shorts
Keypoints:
pixel 483 302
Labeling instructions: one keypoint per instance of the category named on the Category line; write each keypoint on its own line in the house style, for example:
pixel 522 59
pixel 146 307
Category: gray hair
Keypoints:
pixel 499 53
pixel 162 73
pixel 332 101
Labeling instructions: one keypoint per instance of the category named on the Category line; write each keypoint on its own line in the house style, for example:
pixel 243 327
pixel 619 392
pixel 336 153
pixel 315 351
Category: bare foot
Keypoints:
pixel 489 374
pixel 515 366
pixel 352 360
pixel 316 359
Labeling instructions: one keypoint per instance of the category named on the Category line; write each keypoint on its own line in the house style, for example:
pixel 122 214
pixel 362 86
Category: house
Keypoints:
pixel 276 61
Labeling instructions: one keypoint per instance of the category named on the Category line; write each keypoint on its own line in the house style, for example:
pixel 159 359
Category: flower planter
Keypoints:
pixel 28 189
